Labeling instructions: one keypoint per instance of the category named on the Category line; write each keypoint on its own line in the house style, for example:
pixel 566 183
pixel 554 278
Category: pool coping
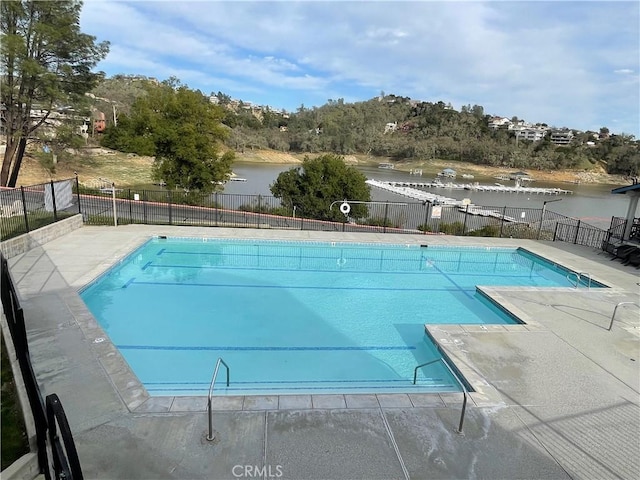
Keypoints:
pixel 557 384
pixel 137 399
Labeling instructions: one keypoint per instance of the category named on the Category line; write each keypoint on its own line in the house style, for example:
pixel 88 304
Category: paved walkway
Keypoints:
pixel 556 398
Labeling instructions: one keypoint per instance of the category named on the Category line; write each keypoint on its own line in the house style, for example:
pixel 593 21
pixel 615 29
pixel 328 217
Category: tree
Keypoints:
pixel 57 141
pixel 46 61
pixel 317 183
pixel 182 129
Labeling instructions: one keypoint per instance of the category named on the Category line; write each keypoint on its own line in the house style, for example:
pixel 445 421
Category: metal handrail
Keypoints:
pixel 579 276
pixel 210 435
pixel 464 390
pixel 616 309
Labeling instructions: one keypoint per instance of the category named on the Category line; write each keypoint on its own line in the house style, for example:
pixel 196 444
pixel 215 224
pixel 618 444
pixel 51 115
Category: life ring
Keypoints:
pixel 345 208
pixel 341 261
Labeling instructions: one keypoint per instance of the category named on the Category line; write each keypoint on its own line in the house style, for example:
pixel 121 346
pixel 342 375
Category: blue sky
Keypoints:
pixel 564 63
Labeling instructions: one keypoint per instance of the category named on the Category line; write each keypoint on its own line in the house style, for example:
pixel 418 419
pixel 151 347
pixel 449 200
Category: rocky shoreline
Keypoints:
pixel 131 167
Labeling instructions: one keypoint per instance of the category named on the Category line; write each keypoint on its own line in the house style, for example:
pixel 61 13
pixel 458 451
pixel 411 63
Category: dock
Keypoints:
pixel 426 197
pixel 482 188
pixel 408 191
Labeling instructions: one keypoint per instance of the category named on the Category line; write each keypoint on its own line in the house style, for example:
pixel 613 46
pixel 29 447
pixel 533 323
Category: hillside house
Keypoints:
pixel 532 134
pixel 561 137
pixel 499 122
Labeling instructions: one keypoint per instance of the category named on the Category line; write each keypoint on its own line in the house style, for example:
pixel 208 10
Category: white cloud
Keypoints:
pixel 560 63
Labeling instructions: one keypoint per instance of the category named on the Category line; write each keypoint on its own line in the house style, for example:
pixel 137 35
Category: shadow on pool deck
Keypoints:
pixel 559 397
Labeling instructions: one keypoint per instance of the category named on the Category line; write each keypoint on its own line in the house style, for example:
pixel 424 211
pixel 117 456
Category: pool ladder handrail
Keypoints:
pixel 616 309
pixel 210 435
pixel 455 376
pixel 579 276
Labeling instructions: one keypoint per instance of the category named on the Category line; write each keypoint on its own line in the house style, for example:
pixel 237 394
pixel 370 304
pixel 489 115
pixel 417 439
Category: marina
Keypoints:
pixel 406 191
pixel 482 188
pixel 590 202
pixel 464 205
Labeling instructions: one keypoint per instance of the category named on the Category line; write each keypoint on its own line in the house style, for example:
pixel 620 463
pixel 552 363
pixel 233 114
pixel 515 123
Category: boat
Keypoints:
pixel 467 175
pixel 447 173
pixel 388 166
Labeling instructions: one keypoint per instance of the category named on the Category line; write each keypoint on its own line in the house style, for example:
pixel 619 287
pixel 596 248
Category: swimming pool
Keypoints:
pixel 298 317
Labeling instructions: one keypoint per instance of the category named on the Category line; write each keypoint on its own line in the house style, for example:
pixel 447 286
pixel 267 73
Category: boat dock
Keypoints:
pixel 406 191
pixel 463 205
pixel 481 188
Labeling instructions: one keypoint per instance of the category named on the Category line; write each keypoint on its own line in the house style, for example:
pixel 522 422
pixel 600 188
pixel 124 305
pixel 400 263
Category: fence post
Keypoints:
pixel 24 209
pixel 575 239
pixel 144 206
pixel 78 192
pixel 259 208
pixel 466 215
pixel 544 206
pixel 53 201
pixel 384 222
pixel 504 212
pixel 216 207
pixel 555 232
pixel 115 211
pixel 130 207
pixel 426 216
pixel 169 205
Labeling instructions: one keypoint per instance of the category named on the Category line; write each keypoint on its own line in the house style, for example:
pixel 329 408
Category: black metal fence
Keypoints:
pixel 49 418
pixel 28 208
pixel 111 206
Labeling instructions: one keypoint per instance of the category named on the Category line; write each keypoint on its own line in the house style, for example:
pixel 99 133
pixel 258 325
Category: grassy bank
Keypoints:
pixel 98 166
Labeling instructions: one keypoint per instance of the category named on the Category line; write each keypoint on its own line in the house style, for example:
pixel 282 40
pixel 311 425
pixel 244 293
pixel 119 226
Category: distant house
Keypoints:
pixel 499 122
pixel 99 122
pixel 561 137
pixel 533 134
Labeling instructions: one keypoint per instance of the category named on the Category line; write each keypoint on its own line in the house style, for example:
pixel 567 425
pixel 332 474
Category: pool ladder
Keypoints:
pixel 211 436
pixel 464 390
pixel 579 276
pixel 616 309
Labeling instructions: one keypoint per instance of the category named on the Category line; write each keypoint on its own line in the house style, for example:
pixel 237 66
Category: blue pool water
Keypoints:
pixel 299 317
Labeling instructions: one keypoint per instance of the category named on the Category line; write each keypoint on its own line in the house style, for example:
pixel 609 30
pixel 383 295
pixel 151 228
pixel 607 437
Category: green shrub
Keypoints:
pixel 455 228
pixel 379 222
pixel 486 231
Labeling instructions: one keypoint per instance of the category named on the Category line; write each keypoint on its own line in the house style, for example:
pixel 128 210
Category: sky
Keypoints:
pixel 565 63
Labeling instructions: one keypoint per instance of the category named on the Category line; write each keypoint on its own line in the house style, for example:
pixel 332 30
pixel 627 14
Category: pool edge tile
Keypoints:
pixel 295 402
pixel 261 402
pixel 328 401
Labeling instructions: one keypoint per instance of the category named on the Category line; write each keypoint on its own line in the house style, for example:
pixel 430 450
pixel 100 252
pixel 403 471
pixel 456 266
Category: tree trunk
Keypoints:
pixel 17 162
pixel 9 154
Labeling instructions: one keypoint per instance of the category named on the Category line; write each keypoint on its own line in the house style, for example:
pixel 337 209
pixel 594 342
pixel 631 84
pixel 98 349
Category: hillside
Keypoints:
pixel 400 129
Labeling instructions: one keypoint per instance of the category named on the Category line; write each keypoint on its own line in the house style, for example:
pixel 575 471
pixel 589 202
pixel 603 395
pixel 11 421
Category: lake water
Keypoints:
pixel 591 203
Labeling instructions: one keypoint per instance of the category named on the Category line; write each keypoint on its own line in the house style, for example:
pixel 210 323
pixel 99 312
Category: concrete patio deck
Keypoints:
pixel 555 398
